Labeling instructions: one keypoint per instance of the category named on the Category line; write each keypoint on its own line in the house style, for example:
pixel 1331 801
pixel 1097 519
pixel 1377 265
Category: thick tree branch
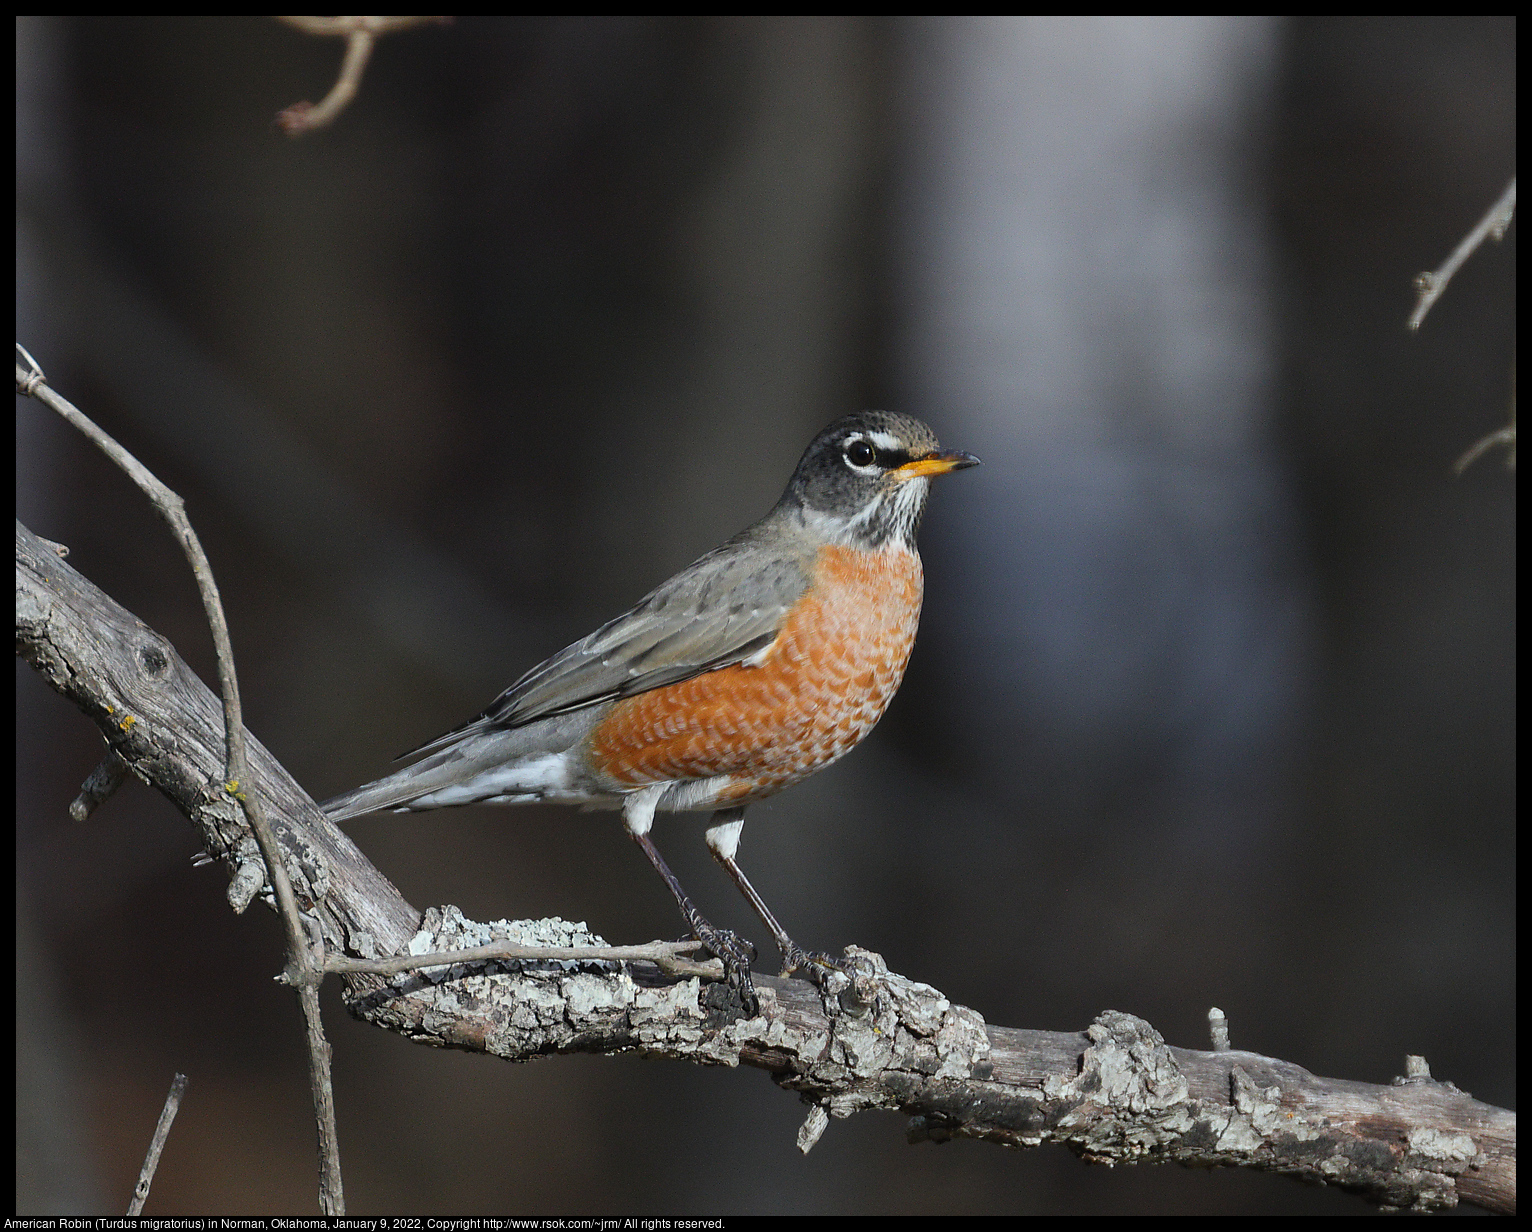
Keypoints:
pixel 1114 1093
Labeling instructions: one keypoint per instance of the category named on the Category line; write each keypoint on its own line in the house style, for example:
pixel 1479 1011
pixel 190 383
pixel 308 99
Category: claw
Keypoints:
pixel 813 964
pixel 736 954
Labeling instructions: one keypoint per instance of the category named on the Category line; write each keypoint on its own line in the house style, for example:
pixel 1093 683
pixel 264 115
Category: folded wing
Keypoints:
pixel 724 608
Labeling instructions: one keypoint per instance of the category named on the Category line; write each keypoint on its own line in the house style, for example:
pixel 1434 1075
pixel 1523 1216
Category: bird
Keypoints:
pixel 762 662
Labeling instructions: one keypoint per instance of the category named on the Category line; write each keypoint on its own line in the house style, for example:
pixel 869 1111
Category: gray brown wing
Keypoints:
pixel 719 611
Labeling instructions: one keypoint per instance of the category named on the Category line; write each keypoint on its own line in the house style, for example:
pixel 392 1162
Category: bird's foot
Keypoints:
pixel 736 954
pixel 813 965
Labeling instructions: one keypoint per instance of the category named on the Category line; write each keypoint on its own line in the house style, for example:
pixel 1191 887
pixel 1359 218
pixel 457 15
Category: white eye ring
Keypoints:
pixel 859 454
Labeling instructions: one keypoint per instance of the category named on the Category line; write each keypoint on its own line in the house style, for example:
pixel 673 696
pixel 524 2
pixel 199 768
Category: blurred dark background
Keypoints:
pixel 1213 698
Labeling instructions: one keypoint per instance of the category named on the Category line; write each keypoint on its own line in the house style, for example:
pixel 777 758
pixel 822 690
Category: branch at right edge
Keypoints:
pixel 873 1039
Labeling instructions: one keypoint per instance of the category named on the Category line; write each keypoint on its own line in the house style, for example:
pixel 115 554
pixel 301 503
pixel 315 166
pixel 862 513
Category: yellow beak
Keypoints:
pixel 935 464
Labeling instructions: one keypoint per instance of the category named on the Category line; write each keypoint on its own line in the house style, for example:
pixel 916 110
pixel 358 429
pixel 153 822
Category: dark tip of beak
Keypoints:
pixel 937 462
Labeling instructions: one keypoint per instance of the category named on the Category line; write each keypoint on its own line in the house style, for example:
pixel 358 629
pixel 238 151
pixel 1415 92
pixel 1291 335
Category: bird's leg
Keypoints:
pixel 733 950
pixel 723 842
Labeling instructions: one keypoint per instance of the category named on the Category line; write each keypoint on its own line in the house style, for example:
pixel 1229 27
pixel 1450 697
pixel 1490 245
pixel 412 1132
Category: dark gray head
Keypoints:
pixel 864 479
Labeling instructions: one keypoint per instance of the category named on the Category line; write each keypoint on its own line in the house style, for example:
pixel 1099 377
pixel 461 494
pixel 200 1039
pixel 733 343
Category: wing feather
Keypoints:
pixel 719 611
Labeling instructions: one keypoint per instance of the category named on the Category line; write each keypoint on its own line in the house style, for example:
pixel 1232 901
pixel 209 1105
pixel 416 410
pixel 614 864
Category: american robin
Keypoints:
pixel 759 664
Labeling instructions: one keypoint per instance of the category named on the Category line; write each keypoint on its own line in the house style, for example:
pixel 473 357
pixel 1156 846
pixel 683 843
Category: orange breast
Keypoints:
pixel 823 684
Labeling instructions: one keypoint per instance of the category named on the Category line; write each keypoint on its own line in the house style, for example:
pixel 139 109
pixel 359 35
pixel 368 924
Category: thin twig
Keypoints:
pixel 1218 1027
pixel 360 33
pixel 157 1144
pixel 1500 436
pixel 98 788
pixel 304 971
pixel 1430 285
pixel 350 25
pixel 662 953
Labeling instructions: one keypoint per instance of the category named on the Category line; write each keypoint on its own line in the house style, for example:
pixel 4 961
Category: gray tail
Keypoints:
pixel 440 770
pixel 461 764
pixel 396 791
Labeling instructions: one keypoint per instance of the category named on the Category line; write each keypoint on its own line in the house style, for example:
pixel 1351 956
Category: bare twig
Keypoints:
pixel 1500 436
pixel 360 34
pixel 1218 1027
pixel 303 971
pixel 1429 287
pixel 98 788
pixel 1430 284
pixel 663 954
pixel 157 1144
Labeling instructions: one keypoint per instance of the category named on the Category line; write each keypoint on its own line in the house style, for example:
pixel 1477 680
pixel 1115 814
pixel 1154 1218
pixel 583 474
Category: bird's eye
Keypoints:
pixel 860 453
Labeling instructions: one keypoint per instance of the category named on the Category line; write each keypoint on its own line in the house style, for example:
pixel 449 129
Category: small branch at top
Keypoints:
pixel 1430 284
pixel 360 34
